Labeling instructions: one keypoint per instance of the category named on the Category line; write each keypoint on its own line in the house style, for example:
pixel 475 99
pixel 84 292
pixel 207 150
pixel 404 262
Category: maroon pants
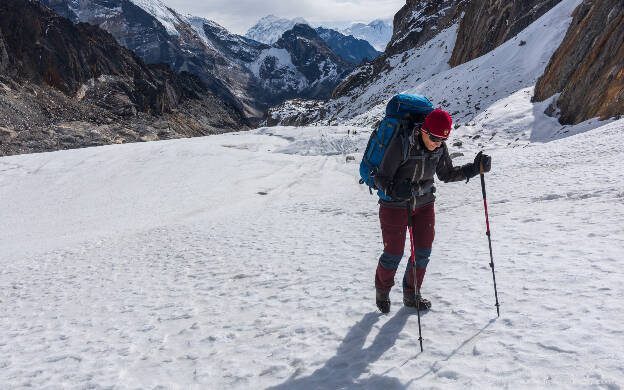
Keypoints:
pixel 393 230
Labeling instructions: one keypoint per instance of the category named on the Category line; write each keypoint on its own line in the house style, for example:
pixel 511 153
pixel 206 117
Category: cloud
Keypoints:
pixel 239 15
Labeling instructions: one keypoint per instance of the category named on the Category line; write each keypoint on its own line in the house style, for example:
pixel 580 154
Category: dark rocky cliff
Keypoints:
pixel 181 47
pixel 54 74
pixel 420 20
pixel 46 48
pixel 588 67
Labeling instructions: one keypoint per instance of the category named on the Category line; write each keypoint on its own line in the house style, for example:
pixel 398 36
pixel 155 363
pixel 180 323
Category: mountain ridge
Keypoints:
pixel 348 47
pixel 424 52
pixel 225 62
pixel 79 87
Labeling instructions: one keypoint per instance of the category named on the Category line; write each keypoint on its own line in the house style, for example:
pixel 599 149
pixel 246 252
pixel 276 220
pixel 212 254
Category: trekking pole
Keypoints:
pixel 487 222
pixel 410 224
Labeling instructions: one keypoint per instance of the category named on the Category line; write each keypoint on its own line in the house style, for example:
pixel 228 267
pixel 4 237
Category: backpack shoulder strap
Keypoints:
pixel 405 130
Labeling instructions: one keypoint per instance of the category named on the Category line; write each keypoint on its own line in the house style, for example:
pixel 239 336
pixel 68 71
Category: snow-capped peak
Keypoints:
pixel 270 28
pixel 378 32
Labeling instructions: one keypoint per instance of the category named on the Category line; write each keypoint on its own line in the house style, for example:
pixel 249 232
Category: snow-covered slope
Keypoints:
pixel 232 46
pixel 165 15
pixel 377 33
pixel 404 71
pixel 467 89
pixel 270 28
pixel 246 260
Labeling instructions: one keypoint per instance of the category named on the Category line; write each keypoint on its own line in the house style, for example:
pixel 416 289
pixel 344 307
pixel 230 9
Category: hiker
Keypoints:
pixel 409 183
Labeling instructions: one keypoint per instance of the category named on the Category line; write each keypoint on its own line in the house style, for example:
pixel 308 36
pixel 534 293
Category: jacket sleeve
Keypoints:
pixel 390 163
pixel 447 172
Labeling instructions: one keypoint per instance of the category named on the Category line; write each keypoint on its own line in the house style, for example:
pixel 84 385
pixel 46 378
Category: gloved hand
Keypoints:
pixel 482 158
pixel 472 170
pixel 402 190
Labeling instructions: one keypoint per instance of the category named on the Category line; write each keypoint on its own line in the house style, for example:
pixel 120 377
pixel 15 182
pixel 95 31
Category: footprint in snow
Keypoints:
pixel 555 348
pixel 448 374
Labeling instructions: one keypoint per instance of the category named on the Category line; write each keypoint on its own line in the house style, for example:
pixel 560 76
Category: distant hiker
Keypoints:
pixel 407 183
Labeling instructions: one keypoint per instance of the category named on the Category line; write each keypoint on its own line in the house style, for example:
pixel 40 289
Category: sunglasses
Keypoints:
pixel 432 137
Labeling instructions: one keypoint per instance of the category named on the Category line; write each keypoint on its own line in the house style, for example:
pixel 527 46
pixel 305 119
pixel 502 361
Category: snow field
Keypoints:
pixel 247 260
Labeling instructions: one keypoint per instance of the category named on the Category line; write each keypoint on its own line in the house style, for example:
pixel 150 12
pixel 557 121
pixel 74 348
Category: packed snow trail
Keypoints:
pixel 247 261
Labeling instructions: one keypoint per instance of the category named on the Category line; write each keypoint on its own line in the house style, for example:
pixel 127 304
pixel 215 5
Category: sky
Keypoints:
pixel 239 15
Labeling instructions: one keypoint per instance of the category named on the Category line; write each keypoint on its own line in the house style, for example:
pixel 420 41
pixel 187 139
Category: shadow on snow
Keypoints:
pixel 352 360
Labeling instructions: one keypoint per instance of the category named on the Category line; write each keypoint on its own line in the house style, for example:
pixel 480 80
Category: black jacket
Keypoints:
pixel 419 168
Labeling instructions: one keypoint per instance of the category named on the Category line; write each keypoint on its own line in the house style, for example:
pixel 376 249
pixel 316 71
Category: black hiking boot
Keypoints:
pixel 382 298
pixel 414 300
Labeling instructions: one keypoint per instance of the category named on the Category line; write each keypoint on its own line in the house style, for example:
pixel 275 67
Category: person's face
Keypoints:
pixel 429 144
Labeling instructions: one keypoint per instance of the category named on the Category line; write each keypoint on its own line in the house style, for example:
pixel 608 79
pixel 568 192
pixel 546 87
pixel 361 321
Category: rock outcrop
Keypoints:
pixel 418 21
pixel 588 67
pixel 484 26
pixel 488 24
pixel 4 56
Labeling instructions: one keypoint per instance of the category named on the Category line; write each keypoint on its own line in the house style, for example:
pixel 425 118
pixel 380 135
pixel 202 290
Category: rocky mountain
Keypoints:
pixel 322 69
pixel 274 73
pixel 378 33
pixel 352 49
pixel 588 68
pixel 270 28
pixel 376 82
pixel 64 86
pixel 426 36
pixel 158 34
pixel 246 73
pixel 235 47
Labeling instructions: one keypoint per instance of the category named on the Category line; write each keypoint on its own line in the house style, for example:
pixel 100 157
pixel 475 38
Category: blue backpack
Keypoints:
pixel 403 112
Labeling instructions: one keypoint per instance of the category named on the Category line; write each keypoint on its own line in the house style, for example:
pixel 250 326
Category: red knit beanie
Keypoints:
pixel 438 123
